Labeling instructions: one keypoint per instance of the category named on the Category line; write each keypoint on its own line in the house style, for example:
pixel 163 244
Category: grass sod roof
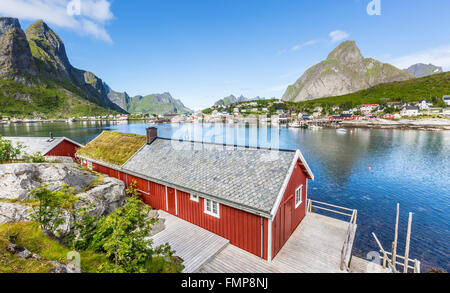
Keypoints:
pixel 113 147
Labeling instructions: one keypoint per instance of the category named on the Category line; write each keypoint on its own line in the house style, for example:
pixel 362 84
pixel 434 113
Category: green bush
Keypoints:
pixel 8 151
pixel 34 158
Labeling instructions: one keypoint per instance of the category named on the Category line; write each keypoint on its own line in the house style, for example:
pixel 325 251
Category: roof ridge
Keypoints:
pixel 229 145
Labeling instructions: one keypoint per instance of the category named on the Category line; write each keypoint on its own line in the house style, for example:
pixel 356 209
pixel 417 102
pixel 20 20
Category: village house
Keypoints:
pixel 254 197
pixel 424 105
pixel 410 111
pixel 446 100
pixel 395 105
pixel 347 111
pixel 434 110
pixel 367 109
pixel 47 146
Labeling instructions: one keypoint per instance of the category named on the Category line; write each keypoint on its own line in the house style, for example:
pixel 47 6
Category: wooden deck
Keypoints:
pixel 314 247
pixel 193 244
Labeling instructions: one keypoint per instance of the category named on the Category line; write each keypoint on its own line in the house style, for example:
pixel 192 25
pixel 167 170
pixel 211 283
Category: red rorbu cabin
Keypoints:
pixel 47 146
pixel 254 197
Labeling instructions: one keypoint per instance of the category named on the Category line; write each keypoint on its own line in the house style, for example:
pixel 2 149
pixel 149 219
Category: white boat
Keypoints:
pixel 315 127
pixel 341 130
pixel 295 125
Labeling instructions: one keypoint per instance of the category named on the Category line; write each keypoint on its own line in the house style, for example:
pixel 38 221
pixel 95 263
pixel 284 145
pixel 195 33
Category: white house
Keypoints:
pixel 446 112
pixel 434 110
pixel 446 100
pixel 410 111
pixel 424 105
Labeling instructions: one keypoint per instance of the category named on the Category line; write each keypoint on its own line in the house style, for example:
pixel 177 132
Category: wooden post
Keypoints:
pixel 408 238
pixel 394 245
pixel 382 250
pixel 417 267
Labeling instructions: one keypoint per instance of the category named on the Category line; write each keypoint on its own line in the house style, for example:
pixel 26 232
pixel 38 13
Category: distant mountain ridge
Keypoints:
pixel 344 71
pixel 149 104
pixel 422 70
pixel 231 99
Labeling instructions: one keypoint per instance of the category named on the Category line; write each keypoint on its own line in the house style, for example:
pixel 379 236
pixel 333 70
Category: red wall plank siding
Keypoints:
pixel 288 217
pixel 241 228
pixel 63 149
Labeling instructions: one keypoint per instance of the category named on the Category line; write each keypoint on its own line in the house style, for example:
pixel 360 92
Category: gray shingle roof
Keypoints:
pixel 38 144
pixel 247 177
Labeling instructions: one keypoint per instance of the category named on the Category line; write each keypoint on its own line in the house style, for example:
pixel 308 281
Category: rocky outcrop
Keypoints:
pixel 105 198
pixel 345 71
pixel 13 213
pixel 16 181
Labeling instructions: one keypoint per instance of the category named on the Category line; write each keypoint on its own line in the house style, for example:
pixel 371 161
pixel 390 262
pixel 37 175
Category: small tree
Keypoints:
pixel 124 237
pixel 8 151
pixel 52 206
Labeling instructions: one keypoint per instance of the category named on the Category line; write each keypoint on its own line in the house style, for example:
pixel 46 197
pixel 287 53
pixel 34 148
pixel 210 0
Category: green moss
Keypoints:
pixel 113 147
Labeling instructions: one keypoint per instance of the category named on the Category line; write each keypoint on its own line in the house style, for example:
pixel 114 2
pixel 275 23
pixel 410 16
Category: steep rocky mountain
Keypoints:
pixel 156 104
pixel 120 99
pixel 345 71
pixel 422 70
pixel 34 64
pixel 152 104
pixel 15 54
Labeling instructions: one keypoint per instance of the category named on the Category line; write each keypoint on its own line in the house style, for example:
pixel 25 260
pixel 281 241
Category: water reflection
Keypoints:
pixel 370 170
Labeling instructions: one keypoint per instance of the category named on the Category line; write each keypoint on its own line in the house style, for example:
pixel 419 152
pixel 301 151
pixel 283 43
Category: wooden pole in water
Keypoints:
pixel 394 245
pixel 408 238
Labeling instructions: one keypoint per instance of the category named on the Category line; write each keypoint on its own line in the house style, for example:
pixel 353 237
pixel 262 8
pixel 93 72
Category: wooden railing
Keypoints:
pixel 346 251
pixel 407 264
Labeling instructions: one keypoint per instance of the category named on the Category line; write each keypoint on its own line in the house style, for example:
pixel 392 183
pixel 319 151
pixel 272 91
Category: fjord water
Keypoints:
pixel 365 169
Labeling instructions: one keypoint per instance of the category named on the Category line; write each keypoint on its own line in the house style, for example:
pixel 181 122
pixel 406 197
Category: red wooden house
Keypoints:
pixel 47 146
pixel 254 197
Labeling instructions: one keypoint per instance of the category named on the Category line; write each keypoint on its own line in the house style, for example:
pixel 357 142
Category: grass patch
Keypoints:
pixel 113 147
pixel 28 203
pixel 30 236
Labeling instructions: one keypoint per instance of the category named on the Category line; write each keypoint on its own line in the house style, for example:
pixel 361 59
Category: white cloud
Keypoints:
pixel 337 36
pixel 91 21
pixel 299 46
pixel 437 56
pixel 306 44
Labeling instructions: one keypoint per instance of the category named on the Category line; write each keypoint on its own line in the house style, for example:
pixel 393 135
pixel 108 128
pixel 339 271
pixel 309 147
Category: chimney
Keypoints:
pixel 152 134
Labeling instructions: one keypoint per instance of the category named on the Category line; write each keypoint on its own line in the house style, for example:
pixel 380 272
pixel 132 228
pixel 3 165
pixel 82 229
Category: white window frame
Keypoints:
pixel 89 165
pixel 300 188
pixel 211 213
pixel 194 197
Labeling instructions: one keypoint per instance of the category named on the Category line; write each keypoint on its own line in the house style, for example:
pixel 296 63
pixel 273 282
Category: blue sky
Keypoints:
pixel 203 50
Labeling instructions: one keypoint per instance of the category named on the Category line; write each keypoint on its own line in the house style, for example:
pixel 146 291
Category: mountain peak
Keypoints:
pixel 346 52
pixel 39 29
pixel 345 71
pixel 422 70
pixel 7 24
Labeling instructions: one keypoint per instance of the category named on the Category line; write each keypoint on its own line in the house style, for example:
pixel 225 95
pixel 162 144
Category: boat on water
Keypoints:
pixel 315 127
pixel 294 125
pixel 341 130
